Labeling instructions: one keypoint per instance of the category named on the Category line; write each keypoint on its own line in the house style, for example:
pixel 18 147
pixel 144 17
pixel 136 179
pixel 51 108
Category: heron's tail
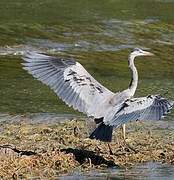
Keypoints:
pixel 102 132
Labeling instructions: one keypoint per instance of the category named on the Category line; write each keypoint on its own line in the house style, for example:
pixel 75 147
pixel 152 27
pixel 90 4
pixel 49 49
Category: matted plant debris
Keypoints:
pixel 47 150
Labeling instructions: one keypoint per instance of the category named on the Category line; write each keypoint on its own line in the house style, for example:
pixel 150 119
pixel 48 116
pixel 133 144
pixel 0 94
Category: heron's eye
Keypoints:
pixel 136 50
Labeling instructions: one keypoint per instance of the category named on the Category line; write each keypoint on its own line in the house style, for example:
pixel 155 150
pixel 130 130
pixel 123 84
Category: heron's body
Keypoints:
pixel 77 88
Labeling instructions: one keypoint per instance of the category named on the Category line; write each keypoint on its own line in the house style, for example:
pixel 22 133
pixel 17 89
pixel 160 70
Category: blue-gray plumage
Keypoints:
pixel 77 88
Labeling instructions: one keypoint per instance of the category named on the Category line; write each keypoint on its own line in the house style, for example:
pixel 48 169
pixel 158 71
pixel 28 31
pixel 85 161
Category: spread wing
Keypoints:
pixel 145 108
pixel 69 80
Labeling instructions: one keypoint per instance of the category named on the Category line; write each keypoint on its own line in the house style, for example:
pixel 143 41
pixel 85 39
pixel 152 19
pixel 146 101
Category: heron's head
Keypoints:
pixel 139 52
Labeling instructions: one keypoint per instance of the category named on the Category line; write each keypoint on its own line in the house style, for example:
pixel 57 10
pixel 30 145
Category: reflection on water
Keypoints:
pixel 151 170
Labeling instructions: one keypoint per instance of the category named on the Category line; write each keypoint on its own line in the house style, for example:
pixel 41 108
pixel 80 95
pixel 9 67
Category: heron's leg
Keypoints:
pixel 118 141
pixel 110 150
pixel 124 131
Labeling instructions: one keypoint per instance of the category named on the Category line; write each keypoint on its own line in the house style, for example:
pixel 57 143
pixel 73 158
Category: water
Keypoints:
pixel 151 171
pixel 99 36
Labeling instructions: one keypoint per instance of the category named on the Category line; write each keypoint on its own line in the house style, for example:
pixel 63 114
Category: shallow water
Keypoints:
pixel 151 170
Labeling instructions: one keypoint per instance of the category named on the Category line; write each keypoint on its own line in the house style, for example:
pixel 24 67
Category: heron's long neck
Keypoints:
pixel 134 75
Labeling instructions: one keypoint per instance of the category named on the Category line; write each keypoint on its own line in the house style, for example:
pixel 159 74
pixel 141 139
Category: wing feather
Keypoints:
pixel 69 80
pixel 146 108
pixel 70 96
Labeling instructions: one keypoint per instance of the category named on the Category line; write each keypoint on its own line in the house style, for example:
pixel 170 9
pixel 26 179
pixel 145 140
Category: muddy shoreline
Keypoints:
pixel 50 145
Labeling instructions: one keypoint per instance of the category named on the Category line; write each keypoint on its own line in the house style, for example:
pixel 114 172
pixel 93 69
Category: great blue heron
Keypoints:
pixel 77 88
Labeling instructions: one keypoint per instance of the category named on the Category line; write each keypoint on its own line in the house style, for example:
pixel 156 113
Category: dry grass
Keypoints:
pixel 46 157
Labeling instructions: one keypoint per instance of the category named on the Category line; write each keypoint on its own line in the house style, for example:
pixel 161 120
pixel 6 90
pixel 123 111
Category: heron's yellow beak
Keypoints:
pixel 146 53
